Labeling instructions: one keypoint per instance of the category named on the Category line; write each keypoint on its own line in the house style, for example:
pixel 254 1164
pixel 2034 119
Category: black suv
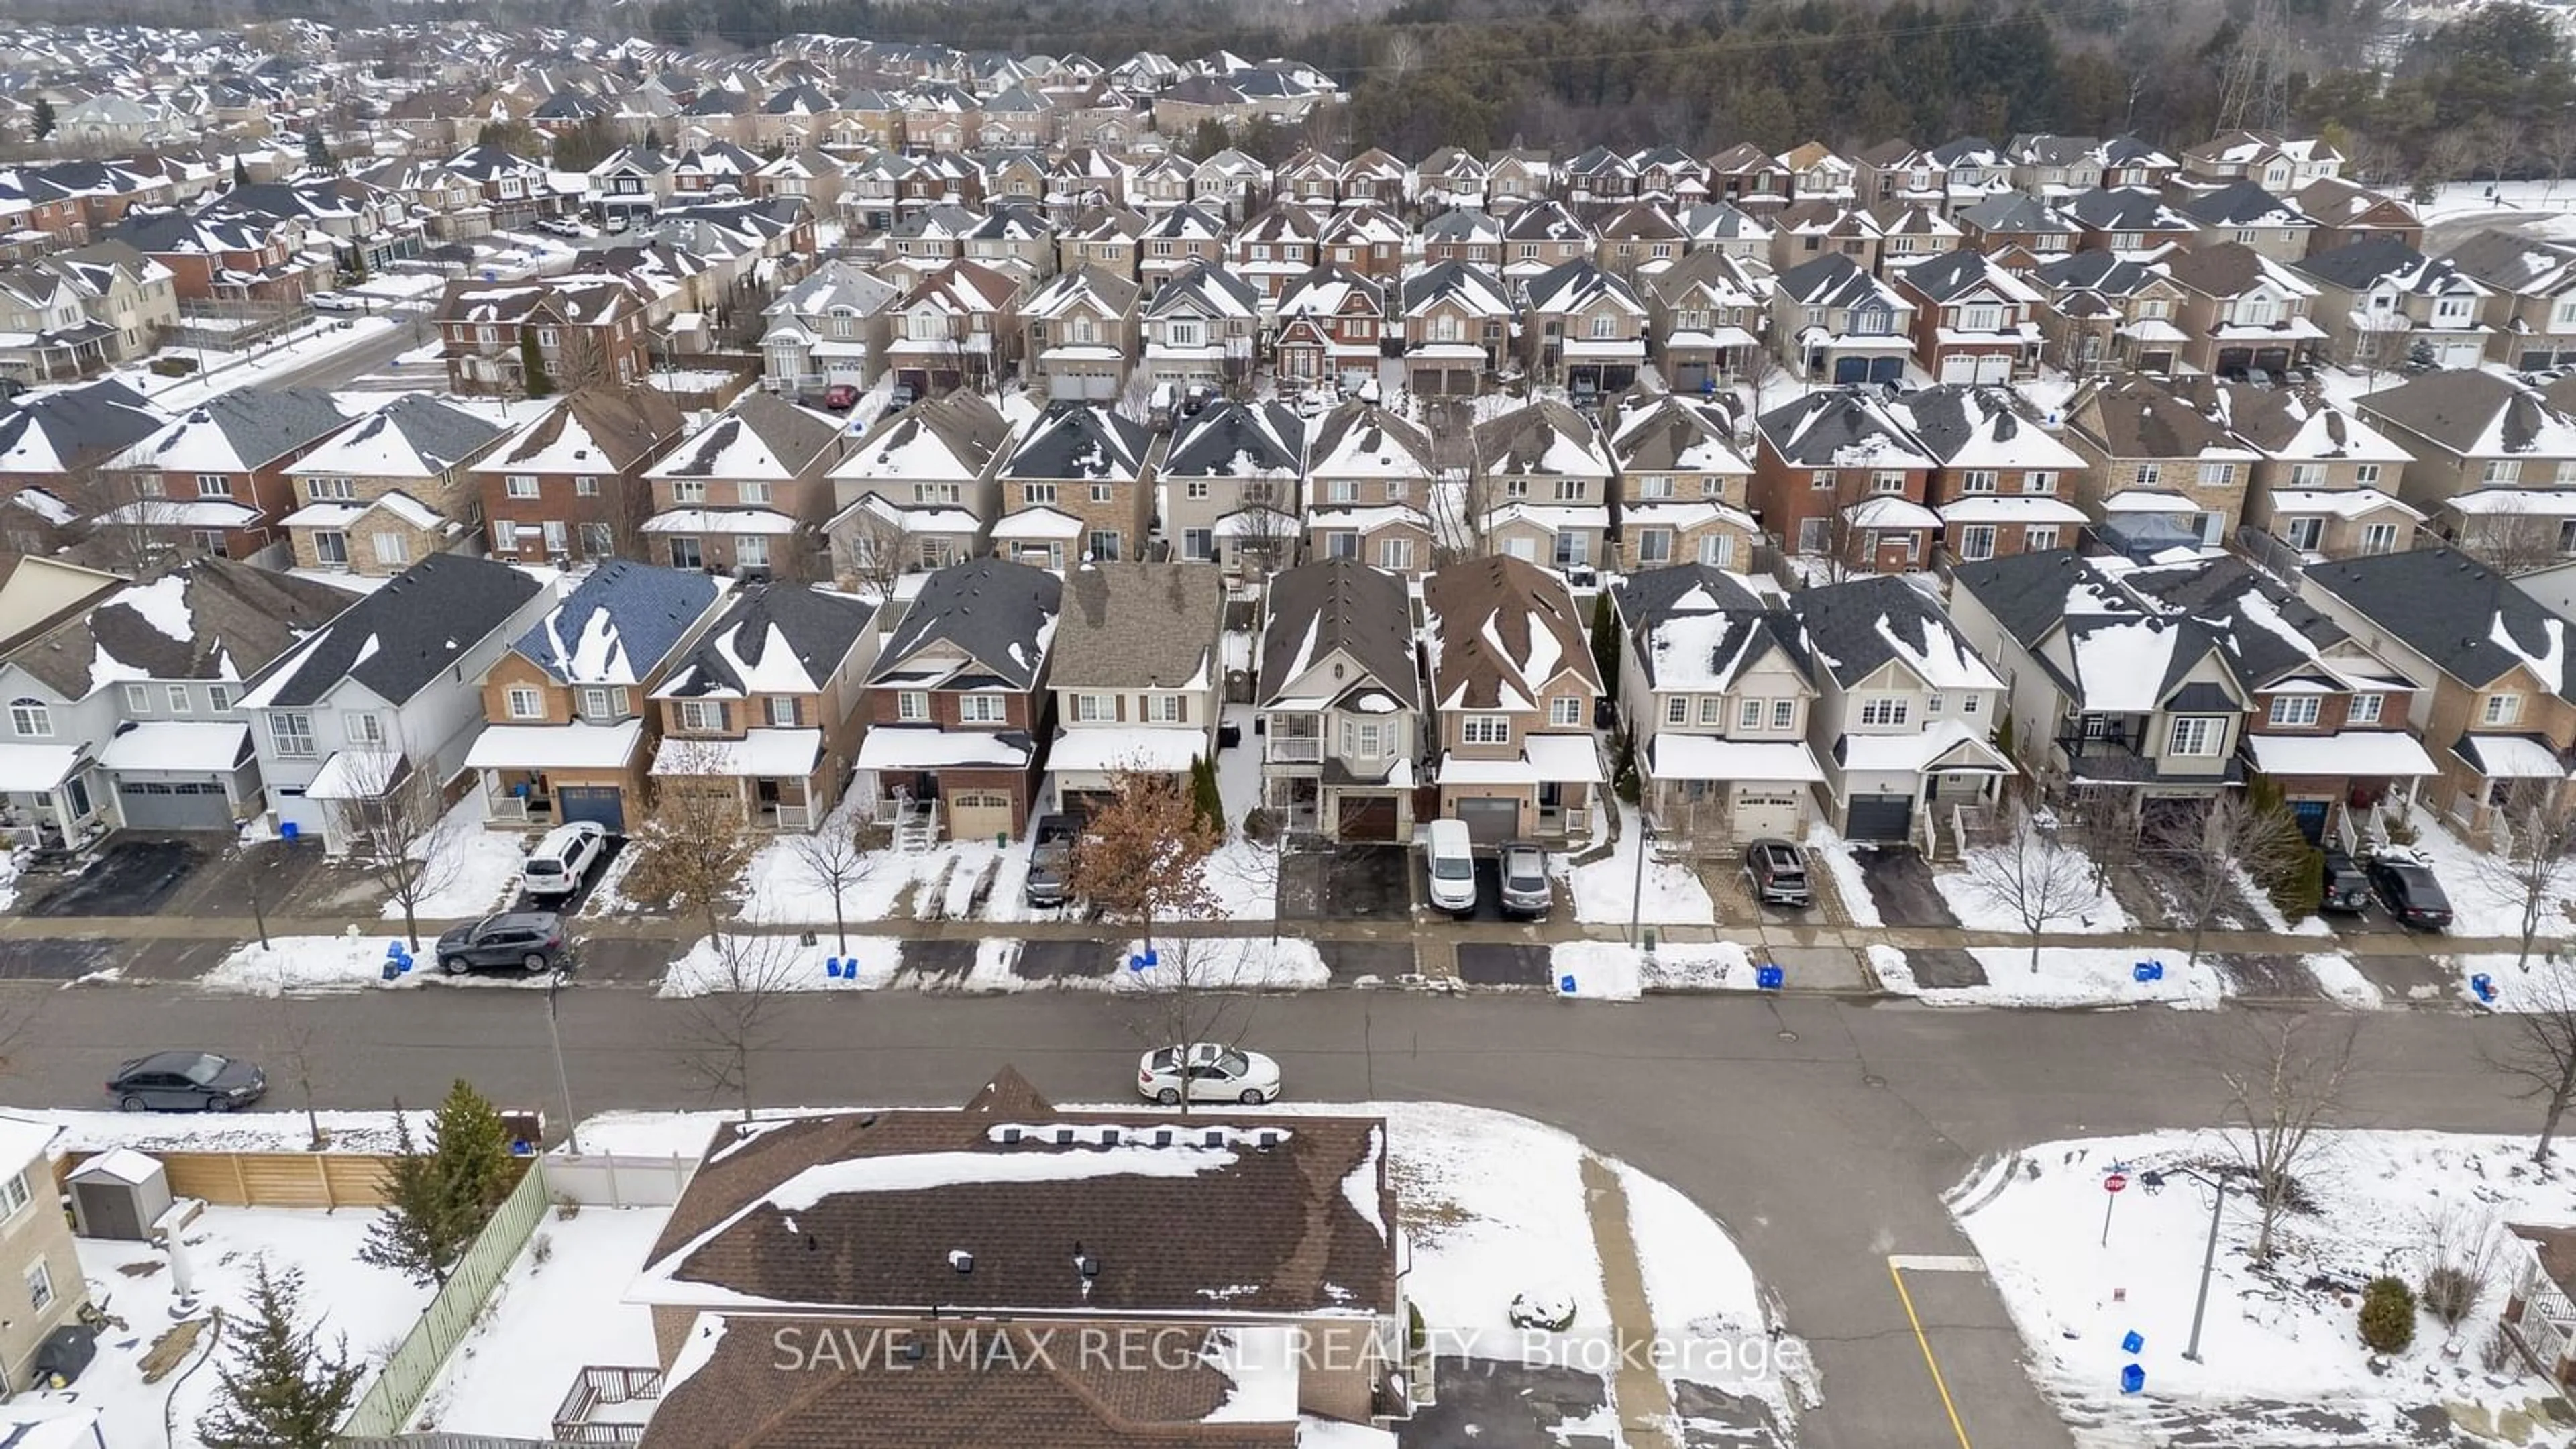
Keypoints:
pixel 1779 874
pixel 530 941
pixel 2408 891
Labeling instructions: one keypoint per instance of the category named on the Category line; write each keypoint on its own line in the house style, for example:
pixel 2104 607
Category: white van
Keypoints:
pixel 1453 866
pixel 557 864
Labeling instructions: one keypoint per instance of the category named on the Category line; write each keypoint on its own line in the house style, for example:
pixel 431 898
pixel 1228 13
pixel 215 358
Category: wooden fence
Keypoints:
pixel 267 1179
pixel 398 1389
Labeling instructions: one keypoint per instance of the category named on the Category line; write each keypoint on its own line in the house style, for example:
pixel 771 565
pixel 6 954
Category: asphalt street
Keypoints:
pixel 1820 1130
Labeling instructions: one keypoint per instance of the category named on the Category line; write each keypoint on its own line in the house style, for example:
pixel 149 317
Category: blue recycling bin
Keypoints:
pixel 402 964
pixel 1769 977
pixel 2133 1342
pixel 2484 986
pixel 832 967
pixel 289 830
pixel 1565 984
pixel 2132 1379
pixel 393 950
pixel 2148 971
pixel 393 970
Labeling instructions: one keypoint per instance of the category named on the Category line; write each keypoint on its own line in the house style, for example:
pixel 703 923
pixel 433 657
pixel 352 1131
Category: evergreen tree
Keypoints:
pixel 41 120
pixel 1605 641
pixel 241 173
pixel 532 363
pixel 280 1388
pixel 1205 799
pixel 437 1201
pixel 317 152
pixel 652 139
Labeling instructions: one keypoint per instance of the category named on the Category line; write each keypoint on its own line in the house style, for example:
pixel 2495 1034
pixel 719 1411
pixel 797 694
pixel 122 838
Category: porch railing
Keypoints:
pixel 1295 749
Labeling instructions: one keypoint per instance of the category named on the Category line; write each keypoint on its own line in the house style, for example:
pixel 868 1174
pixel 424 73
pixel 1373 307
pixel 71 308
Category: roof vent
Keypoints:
pixel 961 1260
pixel 1010 1136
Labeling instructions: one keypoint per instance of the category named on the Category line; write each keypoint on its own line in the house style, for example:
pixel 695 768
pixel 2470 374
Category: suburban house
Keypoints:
pixel 953 328
pixel 2245 214
pixel 1078 485
pixel 42 1262
pixel 2001 477
pixel 829 330
pixel 2344 212
pixel 1458 320
pixel 50 443
pixel 2329 721
pixel 214 481
pixel 746 494
pixel 2317 480
pixel 392 490
pixel 1307 1280
pixel 1715 684
pixel 1339 697
pixel 123 711
pixel 2531 296
pixel 569 487
pixel 1682 487
pixel 588 328
pixel 1582 326
pixel 1332 326
pixel 1973 320
pixel 568 727
pixel 1702 314
pixel 1201 324
pixel 766 710
pixel 382 704
pixel 918 491
pixel 1839 477
pixel 2242 311
pixel 2105 693
pixel 1371 476
pixel 1831 320
pixel 1138 676
pixel 2492 700
pixel 2097 307
pixel 957 702
pixel 2383 303
pixel 2150 450
pixel 1232 486
pixel 1514 690
pixel 1543 485
pixel 1904 714
pixel 1079 334
pixel 2490 461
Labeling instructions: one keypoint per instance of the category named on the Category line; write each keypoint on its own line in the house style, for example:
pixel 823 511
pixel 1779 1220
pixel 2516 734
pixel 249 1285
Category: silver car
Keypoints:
pixel 1524 877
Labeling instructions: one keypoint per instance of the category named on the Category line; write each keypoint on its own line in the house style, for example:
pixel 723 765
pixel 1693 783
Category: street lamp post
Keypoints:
pixel 1637 893
pixel 2209 1253
pixel 563 1079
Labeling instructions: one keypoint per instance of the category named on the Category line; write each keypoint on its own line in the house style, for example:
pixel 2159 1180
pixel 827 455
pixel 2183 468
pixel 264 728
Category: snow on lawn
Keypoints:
pixel 466 870
pixel 782 963
pixel 220 1132
pixel 2376 1198
pixel 2478 198
pixel 2067 976
pixel 1606 890
pixel 782 888
pixel 369 1307
pixel 226 371
pixel 1827 846
pixel 2547 982
pixel 1616 971
pixel 1704 1296
pixel 339 963
pixel 2342 982
pixel 2481 905
pixel 556 1311
pixel 1978 910
pixel 1255 963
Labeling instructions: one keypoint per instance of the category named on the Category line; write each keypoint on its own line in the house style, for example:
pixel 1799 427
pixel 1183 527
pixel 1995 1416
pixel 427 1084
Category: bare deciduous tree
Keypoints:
pixel 873 560
pixel 2541 1052
pixel 1142 856
pixel 2212 856
pixel 2103 827
pixel 2556 142
pixel 2460 1246
pixel 1186 999
pixel 732 1016
pixel 2534 857
pixel 1757 367
pixel 833 859
pixel 2513 540
pixel 2283 1076
pixel 2036 876
pixel 390 823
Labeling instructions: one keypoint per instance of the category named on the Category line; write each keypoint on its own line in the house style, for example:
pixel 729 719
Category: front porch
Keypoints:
pixel 773 776
pixel 52 797
pixel 2492 774
pixel 1714 794
pixel 530 773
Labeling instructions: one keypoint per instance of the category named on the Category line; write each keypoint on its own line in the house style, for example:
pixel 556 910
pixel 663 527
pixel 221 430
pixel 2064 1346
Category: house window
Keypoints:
pixel 2307 475
pixel 2294 711
pixel 214 485
pixel 392 548
pixel 2195 735
pixel 40 1282
pixel 291 735
pixel 1976 541
pixel 2364 709
pixel 330 490
pixel 138 699
pixel 1034 495
pixel 1198 544
pixel 1748 715
pixel 32 718
pixel 2379 538
pixel 2148 475
pixel 1569 490
pixel 980 708
pixel 1677 710
pixel 1717 550
pixel 1821 480
pixel 2366 475
pixel 1655 485
pixel 1103 492
pixel 1104 544
pixel 702 716
pixel 2501 470
pixel 522 485
pixel 177 695
pixel 1163 709
pixel 505 535
pixel 2039 537
pixel 782 711
pixel 1654 545
pixel 2039 480
pixel 1784 713
pixel 1885 709
pixel 2217 475
pixel 1485 729
pixel 586 486
pixel 935 493
pixel 688 490
pixel 1343 490
pixel 219 697
pixel 2305 534
pixel 14 1196
pixel 1195 488
pixel 361 728
pixel 911 706
pixel 526 703
pixel 1977 480
pixel 1093 709
pixel 1395 553
pixel 2501 709
pixel 1886 482
pixel 1342 544
pixel 755 495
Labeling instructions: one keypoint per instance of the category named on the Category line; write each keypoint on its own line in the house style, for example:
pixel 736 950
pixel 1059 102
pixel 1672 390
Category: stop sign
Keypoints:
pixel 2114 1182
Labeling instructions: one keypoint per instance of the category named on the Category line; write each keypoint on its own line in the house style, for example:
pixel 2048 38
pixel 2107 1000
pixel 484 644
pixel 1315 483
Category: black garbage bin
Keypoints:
pixel 65 1353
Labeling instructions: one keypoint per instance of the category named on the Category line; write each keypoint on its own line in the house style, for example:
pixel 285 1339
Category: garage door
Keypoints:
pixel 1886 369
pixel 1851 369
pixel 1690 377
pixel 1995 367
pixel 1766 812
pixel 1881 817
pixel 1085 387
pixel 2461 354
pixel 601 805
pixel 978 814
pixel 1959 367
pixel 1490 821
pixel 186 806
pixel 1367 817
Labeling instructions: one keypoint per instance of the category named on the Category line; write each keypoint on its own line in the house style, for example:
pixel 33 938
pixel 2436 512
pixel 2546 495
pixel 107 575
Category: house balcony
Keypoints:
pixel 608 1405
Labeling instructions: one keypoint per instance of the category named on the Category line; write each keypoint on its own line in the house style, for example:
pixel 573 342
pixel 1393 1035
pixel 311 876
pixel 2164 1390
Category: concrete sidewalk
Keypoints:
pixel 1644 1403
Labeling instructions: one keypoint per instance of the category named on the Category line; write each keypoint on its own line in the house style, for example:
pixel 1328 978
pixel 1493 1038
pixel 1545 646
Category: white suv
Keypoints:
pixel 556 866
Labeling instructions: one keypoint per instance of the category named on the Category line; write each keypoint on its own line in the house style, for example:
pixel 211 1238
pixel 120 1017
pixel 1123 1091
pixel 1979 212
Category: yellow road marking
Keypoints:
pixel 1898 1275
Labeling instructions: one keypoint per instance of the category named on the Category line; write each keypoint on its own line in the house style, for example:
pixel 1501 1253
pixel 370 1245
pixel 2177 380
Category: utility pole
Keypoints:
pixel 563 1080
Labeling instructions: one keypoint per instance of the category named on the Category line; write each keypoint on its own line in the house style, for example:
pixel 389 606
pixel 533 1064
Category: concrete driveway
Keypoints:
pixel 129 876
pixel 1900 885
pixel 1350 881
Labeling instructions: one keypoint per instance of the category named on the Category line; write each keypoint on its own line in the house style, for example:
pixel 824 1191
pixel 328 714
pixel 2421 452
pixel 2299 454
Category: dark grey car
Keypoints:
pixel 529 941
pixel 1779 874
pixel 1523 868
pixel 186 1082
pixel 1051 859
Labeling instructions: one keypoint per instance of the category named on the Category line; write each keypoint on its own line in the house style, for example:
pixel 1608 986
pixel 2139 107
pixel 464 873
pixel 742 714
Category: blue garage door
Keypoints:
pixel 1886 369
pixel 600 804
pixel 1851 369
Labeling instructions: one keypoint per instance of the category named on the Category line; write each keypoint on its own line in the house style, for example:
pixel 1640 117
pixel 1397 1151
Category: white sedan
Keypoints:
pixel 1216 1073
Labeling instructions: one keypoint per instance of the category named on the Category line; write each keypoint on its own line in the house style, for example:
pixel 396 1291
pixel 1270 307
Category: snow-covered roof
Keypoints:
pixel 191 746
pixel 1677 756
pixel 578 745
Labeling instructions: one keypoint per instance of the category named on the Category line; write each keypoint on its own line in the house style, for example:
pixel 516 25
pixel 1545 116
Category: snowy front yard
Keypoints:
pixel 2278 1340
pixel 2080 976
pixel 1605 891
pixel 871 963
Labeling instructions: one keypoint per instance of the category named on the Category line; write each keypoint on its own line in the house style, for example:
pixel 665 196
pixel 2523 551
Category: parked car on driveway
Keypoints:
pixel 1050 859
pixel 1779 874
pixel 557 864
pixel 335 302
pixel 2347 885
pixel 186 1081
pixel 840 397
pixel 2407 890
pixel 529 941
pixel 1452 861
pixel 1524 873
pixel 1213 1072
